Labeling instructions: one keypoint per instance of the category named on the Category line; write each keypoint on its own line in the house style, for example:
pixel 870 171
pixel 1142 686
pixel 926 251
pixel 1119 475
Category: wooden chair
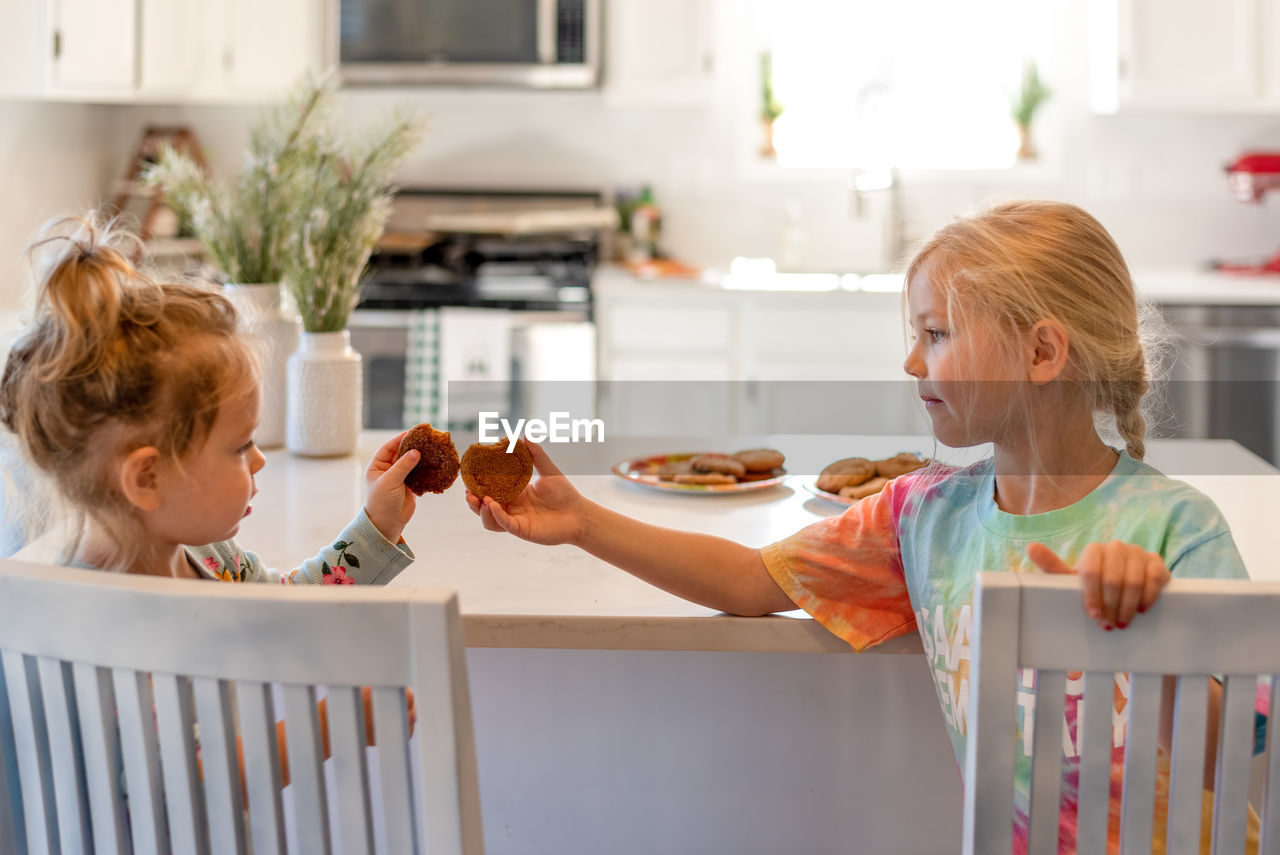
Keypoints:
pixel 1198 627
pixel 103 672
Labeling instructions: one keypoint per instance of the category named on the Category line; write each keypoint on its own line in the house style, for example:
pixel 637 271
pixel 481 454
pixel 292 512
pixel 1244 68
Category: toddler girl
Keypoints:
pixel 139 402
pixel 1025 330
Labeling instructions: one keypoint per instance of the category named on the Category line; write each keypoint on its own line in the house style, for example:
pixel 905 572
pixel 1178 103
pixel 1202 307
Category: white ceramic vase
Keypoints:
pixel 325 396
pixel 274 332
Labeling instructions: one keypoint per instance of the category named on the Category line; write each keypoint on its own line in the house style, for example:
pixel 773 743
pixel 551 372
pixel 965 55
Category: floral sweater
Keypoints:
pixel 360 555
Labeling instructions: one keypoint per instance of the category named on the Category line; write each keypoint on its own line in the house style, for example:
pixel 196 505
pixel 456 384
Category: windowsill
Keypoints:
pixel 1043 170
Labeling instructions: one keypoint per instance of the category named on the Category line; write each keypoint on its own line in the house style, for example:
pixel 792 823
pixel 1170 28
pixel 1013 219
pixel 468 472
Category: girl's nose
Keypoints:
pixel 257 460
pixel 913 364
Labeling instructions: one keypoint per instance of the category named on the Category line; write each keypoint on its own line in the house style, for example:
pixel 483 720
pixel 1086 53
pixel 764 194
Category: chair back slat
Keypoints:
pixel 448 800
pixel 224 805
pixel 13 836
pixel 1094 733
pixel 1231 778
pixel 1269 841
pixel 65 760
pixel 176 730
pixel 35 780
pixel 391 728
pixel 1142 717
pixel 1186 765
pixel 347 742
pixel 96 710
pixel 1046 759
pixel 306 775
pixel 261 767
pixel 138 746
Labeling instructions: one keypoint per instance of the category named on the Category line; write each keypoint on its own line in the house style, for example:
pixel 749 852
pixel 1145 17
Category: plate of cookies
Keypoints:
pixel 852 478
pixel 707 473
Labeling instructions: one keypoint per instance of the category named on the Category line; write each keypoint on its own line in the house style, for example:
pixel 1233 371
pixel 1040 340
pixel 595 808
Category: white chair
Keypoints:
pixel 103 672
pixel 1198 627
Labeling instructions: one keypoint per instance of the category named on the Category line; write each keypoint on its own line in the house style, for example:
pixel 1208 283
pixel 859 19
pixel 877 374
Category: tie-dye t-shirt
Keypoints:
pixel 905 559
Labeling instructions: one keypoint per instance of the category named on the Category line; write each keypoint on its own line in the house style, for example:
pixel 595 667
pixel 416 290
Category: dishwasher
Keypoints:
pixel 1225 376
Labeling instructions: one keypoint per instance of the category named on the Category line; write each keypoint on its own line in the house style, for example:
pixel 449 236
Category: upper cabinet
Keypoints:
pixel 1173 56
pixel 157 50
pixel 658 52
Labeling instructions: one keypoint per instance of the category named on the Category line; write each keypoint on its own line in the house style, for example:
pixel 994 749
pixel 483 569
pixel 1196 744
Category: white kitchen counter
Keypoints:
pixel 515 594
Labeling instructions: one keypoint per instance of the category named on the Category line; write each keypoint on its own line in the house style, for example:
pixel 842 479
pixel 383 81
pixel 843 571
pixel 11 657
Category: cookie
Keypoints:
pixel 762 476
pixel 900 464
pixel 438 467
pixel 866 488
pixel 848 472
pixel 669 470
pixel 488 470
pixel 705 478
pixel 721 463
pixel 760 459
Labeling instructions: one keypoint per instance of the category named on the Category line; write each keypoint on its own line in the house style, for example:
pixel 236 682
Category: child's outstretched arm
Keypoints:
pixel 710 571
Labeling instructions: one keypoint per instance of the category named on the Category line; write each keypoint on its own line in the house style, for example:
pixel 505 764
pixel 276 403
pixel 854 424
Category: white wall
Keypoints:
pixel 53 161
pixel 1155 181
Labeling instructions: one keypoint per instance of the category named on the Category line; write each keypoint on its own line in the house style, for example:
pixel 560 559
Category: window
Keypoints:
pixel 915 84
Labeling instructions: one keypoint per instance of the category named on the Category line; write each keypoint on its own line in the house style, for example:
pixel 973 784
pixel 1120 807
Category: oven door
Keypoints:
pixel 381 337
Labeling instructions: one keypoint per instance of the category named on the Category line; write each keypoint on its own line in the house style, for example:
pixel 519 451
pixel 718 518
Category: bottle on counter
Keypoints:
pixel 646 225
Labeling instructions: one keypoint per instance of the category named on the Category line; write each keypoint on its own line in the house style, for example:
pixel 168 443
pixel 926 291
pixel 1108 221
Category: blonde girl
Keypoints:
pixel 139 400
pixel 1025 335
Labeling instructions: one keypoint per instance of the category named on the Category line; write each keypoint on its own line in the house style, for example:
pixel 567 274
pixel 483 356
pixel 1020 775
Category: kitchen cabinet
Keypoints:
pixel 687 358
pixel 1184 55
pixel 659 52
pixel 127 51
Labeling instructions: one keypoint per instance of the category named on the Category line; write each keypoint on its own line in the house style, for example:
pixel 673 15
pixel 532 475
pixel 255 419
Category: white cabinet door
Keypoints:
pixel 269 46
pixel 658 51
pixel 1181 55
pixel 173 47
pixel 95 47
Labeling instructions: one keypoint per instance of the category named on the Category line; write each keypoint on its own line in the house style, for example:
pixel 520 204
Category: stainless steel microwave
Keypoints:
pixel 553 44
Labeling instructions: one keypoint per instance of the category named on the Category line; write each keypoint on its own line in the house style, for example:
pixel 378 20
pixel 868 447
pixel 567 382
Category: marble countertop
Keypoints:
pixel 516 594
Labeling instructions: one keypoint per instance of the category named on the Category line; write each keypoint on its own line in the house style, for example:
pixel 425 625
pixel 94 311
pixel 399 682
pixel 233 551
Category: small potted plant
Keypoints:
pixel 770 109
pixel 1023 105
pixel 244 224
pixel 341 205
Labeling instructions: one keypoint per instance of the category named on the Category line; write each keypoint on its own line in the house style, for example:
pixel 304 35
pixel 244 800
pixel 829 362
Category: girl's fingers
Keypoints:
pixel 1089 567
pixel 1135 575
pixel 402 467
pixel 501 517
pixel 541 460
pixel 1157 576
pixel 1047 560
pixel 1112 572
pixel 386 454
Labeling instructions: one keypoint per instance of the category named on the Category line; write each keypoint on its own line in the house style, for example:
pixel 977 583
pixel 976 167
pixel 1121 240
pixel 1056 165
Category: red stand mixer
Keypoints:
pixel 1251 176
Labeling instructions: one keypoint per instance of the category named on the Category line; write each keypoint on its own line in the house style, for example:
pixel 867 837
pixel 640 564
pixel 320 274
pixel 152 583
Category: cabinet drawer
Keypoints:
pixel 843 334
pixel 653 328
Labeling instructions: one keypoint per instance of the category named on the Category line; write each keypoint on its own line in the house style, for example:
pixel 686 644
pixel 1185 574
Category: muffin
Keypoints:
pixel 438 467
pixel 488 470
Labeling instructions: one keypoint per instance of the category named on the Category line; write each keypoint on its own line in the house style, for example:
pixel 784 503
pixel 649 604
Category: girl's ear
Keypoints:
pixel 1048 345
pixel 140 478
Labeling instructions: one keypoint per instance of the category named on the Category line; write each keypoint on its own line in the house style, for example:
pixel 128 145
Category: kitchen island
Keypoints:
pixel 613 717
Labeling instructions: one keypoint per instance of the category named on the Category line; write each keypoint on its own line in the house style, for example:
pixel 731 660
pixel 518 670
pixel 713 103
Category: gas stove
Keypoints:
pixel 519 250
